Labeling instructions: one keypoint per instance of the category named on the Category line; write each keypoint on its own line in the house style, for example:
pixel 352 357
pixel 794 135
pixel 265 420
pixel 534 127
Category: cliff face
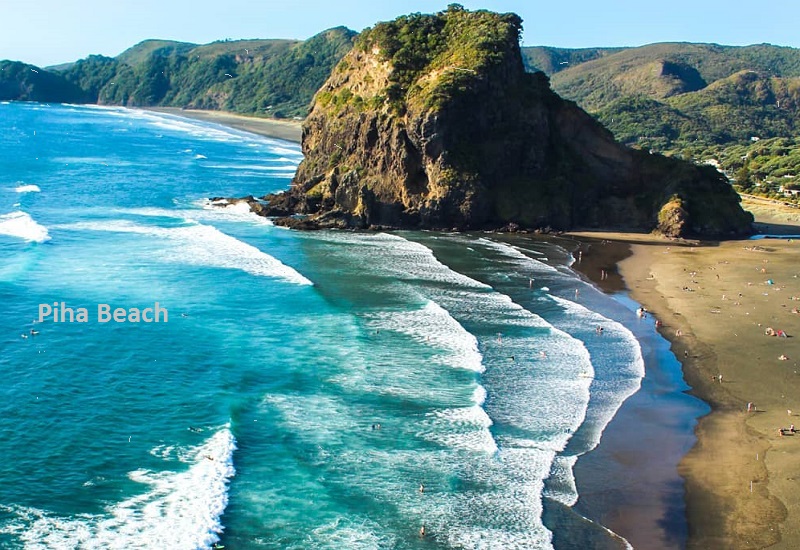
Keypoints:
pixel 431 121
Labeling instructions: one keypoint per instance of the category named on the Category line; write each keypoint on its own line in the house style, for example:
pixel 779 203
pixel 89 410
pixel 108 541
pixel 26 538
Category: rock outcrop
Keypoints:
pixel 431 122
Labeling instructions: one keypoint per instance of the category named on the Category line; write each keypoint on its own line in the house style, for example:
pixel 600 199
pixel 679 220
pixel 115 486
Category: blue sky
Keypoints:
pixel 46 32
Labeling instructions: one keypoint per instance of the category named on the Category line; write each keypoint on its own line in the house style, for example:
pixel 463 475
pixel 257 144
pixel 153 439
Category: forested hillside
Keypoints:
pixel 275 78
pixel 698 101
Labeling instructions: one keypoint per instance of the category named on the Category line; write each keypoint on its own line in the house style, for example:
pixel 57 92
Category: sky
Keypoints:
pixel 49 32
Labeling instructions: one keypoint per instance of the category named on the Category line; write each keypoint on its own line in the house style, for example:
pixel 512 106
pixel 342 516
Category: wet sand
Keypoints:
pixel 630 482
pixel 716 301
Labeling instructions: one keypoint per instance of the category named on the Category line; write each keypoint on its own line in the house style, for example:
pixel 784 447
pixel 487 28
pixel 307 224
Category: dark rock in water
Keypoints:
pixel 293 222
pixel 255 205
pixel 450 132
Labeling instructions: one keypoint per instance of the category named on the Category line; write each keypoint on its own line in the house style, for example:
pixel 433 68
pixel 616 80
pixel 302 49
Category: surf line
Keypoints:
pixel 59 312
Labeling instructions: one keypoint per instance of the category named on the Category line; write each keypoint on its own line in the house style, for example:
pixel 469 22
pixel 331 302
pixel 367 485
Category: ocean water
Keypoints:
pixel 305 390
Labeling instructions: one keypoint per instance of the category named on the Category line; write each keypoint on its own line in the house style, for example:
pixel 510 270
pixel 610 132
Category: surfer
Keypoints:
pixel 421 488
pixel 422 531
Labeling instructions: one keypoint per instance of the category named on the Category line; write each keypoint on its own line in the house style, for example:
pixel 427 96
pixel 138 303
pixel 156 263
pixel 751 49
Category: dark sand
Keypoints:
pixel 715 301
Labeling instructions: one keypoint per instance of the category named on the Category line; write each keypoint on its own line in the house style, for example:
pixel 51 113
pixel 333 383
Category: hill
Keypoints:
pixel 20 81
pixel 697 101
pixel 275 78
pixel 142 51
pixel 553 60
pixel 432 121
pixel 671 96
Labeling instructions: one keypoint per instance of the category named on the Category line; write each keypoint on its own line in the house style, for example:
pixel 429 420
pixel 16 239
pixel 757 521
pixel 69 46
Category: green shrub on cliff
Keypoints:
pixel 457 44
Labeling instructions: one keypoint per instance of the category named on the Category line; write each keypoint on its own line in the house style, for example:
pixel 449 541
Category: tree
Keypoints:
pixel 742 178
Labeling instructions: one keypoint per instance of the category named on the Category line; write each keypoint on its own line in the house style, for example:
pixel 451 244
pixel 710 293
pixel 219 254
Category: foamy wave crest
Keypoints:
pixel 27 189
pixel 609 389
pixel 403 259
pixel 202 211
pixel 507 513
pixel 465 428
pixel 290 168
pixel 181 510
pixel 20 224
pixel 513 253
pixel 199 244
pixel 620 348
pixel 434 326
pixel 345 532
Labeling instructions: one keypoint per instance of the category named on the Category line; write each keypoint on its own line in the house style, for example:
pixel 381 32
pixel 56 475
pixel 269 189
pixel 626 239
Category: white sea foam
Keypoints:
pixel 22 225
pixel 179 510
pixel 537 402
pixel 617 346
pixel 254 167
pixel 401 259
pixel 532 265
pixel 433 326
pixel 198 244
pixel 351 533
pixel 464 428
pixel 27 189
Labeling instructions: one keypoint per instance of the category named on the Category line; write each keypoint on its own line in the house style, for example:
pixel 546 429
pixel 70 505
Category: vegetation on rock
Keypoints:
pixel 432 121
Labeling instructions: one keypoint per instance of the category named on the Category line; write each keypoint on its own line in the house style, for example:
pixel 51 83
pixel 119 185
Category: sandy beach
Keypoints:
pixel 716 303
pixel 289 130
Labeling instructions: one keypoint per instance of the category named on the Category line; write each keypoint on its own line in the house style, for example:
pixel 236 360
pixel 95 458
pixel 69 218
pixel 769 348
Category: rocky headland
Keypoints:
pixel 431 121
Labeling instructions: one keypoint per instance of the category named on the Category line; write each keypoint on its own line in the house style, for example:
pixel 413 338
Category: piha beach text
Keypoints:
pixel 61 313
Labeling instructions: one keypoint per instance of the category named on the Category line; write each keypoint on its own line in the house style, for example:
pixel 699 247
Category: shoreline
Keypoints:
pixel 630 482
pixel 714 302
pixel 288 130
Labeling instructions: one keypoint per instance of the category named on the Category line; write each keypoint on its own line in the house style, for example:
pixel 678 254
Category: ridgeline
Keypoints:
pixel 271 78
pixel 431 121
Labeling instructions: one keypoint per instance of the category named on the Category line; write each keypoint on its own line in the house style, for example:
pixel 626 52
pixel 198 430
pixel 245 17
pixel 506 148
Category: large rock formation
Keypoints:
pixel 431 122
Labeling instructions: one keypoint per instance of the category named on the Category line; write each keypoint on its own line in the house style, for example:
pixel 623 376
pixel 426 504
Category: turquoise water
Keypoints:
pixel 305 386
